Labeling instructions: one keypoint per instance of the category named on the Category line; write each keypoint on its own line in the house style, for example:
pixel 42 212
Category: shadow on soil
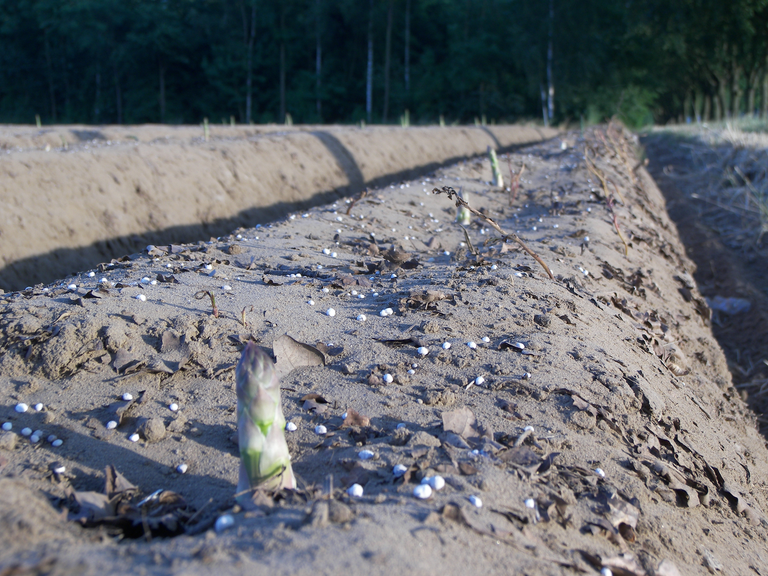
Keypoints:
pixel 61 263
pixel 723 267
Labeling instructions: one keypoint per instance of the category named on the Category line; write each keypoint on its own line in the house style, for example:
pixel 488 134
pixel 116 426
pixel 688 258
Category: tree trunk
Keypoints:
pixel 736 92
pixel 550 83
pixel 162 91
pixel 387 51
pixel 722 103
pixel 118 93
pixel 51 87
pixel 544 111
pixel 282 64
pixel 318 63
pixel 369 68
pixel 407 49
pixel 764 112
pixel 97 99
pixel 249 37
pixel 752 86
pixel 707 108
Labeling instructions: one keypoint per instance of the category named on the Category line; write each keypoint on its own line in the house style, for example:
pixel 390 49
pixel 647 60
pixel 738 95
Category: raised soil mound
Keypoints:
pixel 590 425
pixel 76 196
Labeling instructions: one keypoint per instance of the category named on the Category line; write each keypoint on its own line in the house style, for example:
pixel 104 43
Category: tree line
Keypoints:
pixel 381 61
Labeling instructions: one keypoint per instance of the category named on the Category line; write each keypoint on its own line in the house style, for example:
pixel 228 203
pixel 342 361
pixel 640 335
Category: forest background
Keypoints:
pixel 351 61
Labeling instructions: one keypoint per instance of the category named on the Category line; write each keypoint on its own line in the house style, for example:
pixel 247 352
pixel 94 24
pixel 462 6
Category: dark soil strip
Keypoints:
pixel 724 267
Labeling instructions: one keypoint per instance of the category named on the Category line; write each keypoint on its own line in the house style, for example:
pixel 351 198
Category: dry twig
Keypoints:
pixel 514 181
pixel 460 202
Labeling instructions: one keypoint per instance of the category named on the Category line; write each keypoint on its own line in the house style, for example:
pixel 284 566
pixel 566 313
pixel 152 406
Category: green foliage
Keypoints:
pixel 133 61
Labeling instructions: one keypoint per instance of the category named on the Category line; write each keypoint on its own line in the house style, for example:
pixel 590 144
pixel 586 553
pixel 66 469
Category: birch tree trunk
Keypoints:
pixel 51 87
pixel 161 96
pixel 318 63
pixel 387 52
pixel 369 68
pixel 550 83
pixel 249 37
pixel 407 63
pixel 282 64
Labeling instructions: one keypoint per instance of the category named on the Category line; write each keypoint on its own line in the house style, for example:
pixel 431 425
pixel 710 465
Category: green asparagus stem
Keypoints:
pixel 498 181
pixel 463 215
pixel 264 458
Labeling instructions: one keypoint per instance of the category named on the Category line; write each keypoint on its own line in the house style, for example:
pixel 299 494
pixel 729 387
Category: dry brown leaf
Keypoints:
pixel 460 421
pixel 115 483
pixel 292 354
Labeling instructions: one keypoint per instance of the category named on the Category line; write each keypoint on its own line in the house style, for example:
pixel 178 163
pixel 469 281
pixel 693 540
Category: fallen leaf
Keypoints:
pixel 460 421
pixel 93 507
pixel 316 397
pixel 329 350
pixel 292 354
pixel 520 456
pixel 115 483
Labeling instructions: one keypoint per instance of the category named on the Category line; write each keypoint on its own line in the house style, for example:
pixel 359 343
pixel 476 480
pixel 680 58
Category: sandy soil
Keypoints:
pixel 642 457
pixel 75 196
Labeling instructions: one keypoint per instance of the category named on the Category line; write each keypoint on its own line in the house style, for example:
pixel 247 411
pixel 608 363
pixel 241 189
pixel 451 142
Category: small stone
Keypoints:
pixel 141 298
pixel 127 396
pixel 290 427
pixel 321 430
pixel 479 381
pixel 173 407
pixel 8 440
pixel 21 407
pixel 182 468
pixel 58 442
pixel 422 438
pixel 361 318
pixel 600 472
pixel 388 378
pixel 446 345
pixel 111 425
pixel 331 312
pixel 26 431
pixel 356 491
pixel 472 345
pixel 338 512
pixel 423 350
pixel 152 429
pixel 485 339
pixel 133 437
pixel 7 426
pixel 476 501
pixel 39 407
pixel 422 491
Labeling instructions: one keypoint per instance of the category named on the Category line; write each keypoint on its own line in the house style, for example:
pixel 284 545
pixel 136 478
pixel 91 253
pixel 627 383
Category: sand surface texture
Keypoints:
pixel 76 196
pixel 590 424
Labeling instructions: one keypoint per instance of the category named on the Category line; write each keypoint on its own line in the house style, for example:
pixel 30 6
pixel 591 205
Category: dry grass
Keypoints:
pixel 732 173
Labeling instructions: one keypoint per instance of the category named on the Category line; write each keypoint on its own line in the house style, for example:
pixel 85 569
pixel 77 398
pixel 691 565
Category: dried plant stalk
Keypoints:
pixel 460 202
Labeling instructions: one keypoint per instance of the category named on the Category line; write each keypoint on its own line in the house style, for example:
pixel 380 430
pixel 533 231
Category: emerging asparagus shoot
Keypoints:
pixel 264 458
pixel 463 215
pixel 498 181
